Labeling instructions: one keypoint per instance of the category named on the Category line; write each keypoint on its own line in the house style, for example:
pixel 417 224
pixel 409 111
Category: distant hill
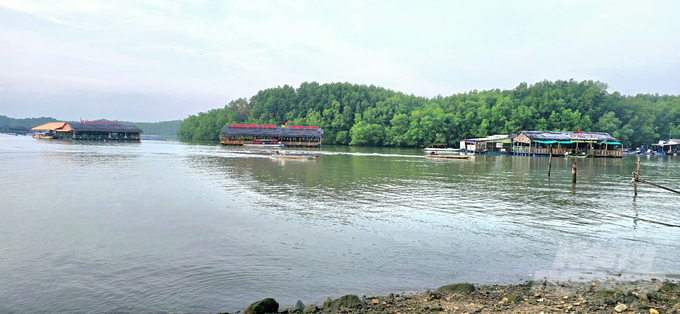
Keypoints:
pixel 161 128
pixel 27 122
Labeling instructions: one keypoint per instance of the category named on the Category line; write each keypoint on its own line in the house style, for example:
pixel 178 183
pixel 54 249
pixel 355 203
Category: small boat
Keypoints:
pixel 451 153
pixel 440 148
pixel 265 143
pixel 294 156
pixel 570 155
pixel 450 156
pixel 43 136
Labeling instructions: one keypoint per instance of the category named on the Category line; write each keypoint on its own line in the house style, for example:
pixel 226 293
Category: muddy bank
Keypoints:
pixel 649 296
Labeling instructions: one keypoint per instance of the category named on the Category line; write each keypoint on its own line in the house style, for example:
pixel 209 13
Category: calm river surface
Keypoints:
pixel 176 227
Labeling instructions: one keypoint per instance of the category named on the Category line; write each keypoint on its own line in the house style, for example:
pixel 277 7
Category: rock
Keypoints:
pixel 671 287
pixel 653 311
pixel 620 308
pixel 643 298
pixel 310 309
pixel 457 288
pixel 513 298
pixel 347 301
pixel 263 306
pixel 676 308
pixel 327 304
pixel 298 307
pixel 606 292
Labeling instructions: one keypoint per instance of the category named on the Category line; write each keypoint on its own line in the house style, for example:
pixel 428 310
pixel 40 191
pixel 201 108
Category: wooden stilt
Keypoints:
pixel 573 173
pixel 550 161
pixel 637 175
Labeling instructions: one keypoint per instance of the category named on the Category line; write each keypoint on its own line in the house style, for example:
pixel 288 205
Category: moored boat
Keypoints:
pixel 450 153
pixel 272 143
pixel 294 156
pixel 440 149
pixel 450 156
pixel 43 136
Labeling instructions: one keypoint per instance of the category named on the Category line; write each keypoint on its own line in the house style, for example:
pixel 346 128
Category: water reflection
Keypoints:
pixel 168 226
pixel 491 189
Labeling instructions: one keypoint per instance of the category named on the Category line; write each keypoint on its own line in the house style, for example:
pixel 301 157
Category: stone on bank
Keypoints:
pixel 457 288
pixel 263 306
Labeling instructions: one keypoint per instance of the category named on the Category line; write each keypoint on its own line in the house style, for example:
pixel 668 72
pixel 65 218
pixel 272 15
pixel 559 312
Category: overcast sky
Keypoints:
pixel 162 60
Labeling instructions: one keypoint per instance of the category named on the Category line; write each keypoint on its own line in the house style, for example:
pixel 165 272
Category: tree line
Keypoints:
pixel 353 114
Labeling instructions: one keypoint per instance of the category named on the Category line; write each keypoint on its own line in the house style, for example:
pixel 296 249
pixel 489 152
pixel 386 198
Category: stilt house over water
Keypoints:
pixel 670 147
pixel 562 143
pixel 494 145
pixel 290 136
pixel 90 131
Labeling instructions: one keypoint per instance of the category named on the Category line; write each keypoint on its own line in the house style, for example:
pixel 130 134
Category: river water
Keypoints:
pixel 176 227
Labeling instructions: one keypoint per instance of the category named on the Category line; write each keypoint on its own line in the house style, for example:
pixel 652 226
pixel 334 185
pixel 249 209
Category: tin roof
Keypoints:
pixel 52 126
pixel 569 136
pixel 492 138
pixel 86 127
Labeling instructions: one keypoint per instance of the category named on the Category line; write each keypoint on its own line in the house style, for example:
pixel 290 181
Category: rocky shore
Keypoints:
pixel 649 296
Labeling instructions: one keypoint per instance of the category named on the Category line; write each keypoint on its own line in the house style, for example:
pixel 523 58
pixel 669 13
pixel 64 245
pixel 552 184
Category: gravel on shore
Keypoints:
pixel 646 296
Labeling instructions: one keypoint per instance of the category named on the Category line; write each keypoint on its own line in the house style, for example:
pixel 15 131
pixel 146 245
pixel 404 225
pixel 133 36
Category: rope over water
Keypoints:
pixel 636 179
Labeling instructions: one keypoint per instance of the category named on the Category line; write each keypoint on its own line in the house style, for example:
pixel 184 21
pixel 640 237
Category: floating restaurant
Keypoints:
pixel 561 143
pixel 291 136
pixel 90 131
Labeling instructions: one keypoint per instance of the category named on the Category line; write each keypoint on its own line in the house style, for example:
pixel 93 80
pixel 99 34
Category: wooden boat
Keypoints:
pixel 440 149
pixel 435 156
pixel 294 156
pixel 43 136
pixel 575 156
pixel 450 154
pixel 266 143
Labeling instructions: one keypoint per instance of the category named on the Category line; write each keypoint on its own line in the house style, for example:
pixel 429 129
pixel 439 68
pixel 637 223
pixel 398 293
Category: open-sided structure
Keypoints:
pixel 563 143
pixel 670 147
pixel 291 136
pixel 494 144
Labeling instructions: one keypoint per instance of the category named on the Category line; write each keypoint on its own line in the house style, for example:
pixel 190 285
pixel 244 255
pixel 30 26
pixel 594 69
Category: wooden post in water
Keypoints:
pixel 573 173
pixel 550 161
pixel 637 175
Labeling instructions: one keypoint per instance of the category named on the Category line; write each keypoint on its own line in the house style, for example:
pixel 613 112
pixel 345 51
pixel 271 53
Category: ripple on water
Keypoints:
pixel 200 228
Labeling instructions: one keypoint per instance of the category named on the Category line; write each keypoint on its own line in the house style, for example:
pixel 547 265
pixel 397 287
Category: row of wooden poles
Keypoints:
pixel 636 176
pixel 636 180
pixel 573 168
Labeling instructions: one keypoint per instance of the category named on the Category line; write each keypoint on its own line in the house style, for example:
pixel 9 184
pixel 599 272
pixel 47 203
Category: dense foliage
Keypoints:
pixel 370 115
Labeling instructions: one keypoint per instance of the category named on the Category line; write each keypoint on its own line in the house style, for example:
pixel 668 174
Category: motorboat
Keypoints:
pixel 271 143
pixel 284 155
pixel 450 153
pixel 43 136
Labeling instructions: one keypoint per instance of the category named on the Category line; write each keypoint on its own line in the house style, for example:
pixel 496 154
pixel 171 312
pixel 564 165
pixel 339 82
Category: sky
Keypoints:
pixel 154 60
